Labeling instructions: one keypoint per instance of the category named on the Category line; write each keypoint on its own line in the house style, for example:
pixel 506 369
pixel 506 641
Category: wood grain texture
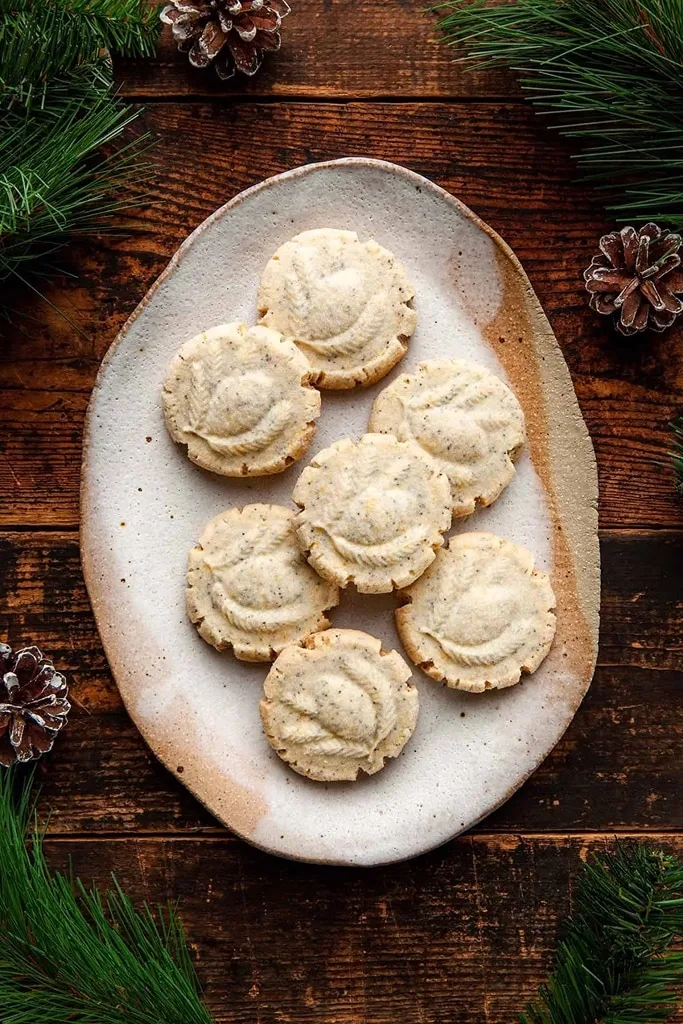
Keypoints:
pixel 462 935
pixel 330 50
pixel 628 390
pixel 466 933
pixel 616 768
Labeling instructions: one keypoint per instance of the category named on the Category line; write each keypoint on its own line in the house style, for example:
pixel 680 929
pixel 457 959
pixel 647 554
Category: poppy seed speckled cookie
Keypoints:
pixel 372 512
pixel 241 399
pixel 344 302
pixel 339 705
pixel 463 416
pixel 480 616
pixel 248 586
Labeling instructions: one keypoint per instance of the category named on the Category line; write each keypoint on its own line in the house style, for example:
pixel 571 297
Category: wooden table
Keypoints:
pixel 466 933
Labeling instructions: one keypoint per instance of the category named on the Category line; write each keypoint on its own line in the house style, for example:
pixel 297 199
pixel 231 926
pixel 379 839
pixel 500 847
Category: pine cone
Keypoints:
pixel 33 704
pixel 230 34
pixel 637 277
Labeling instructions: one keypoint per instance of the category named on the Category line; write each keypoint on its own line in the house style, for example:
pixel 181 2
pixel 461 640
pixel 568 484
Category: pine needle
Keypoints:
pixel 609 74
pixel 60 185
pixel 615 964
pixel 677 453
pixel 57 111
pixel 69 955
pixel 42 41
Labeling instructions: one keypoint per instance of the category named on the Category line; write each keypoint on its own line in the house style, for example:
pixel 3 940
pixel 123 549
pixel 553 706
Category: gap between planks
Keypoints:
pixel 223 835
pixel 313 100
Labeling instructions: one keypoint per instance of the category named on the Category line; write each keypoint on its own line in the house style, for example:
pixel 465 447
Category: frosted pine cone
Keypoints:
pixel 232 35
pixel 637 277
pixel 33 704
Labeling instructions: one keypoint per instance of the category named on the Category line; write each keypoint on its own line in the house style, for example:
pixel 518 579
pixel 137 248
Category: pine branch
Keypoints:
pixel 609 75
pixel 42 41
pixel 677 453
pixel 69 954
pixel 61 184
pixel 57 110
pixel 615 964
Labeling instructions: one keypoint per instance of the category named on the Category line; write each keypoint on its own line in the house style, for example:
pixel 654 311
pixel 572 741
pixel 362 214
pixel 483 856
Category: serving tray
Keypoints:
pixel 143 505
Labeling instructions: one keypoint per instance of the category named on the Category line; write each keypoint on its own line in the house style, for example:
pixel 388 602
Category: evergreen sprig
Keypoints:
pixel 55 186
pixel 616 964
pixel 69 955
pixel 57 110
pixel 610 75
pixel 43 41
pixel 677 453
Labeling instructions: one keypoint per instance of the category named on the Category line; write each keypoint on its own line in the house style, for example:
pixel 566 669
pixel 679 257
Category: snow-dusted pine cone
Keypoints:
pixel 33 704
pixel 637 277
pixel 232 35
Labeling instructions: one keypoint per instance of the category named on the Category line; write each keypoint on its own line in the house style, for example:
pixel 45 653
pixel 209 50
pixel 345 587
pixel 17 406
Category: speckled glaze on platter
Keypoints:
pixel 144 505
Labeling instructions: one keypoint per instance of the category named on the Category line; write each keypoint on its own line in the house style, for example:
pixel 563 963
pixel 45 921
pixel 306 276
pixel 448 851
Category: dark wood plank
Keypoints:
pixel 642 610
pixel 463 935
pixel 617 767
pixel 628 390
pixel 330 50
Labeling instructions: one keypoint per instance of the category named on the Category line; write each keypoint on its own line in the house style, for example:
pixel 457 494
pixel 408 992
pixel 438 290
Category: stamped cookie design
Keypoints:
pixel 463 416
pixel 241 399
pixel 480 616
pixel 248 586
pixel 372 512
pixel 338 705
pixel 344 302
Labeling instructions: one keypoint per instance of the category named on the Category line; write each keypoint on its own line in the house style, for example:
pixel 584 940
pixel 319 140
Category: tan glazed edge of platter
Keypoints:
pixel 523 341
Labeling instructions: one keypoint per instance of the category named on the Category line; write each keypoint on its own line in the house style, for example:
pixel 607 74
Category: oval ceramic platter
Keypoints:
pixel 144 504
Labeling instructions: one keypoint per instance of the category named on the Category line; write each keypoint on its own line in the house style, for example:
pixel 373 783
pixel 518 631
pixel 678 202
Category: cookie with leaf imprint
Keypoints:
pixel 372 512
pixel 339 705
pixel 241 399
pixel 249 587
pixel 480 616
pixel 345 303
pixel 463 416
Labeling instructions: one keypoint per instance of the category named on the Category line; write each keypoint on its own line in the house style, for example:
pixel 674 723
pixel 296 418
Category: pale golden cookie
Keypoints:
pixel 462 415
pixel 480 616
pixel 344 302
pixel 249 587
pixel 372 512
pixel 338 705
pixel 241 399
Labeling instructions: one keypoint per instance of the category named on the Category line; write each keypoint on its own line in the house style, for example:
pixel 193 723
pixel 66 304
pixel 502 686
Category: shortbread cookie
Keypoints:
pixel 338 705
pixel 465 417
pixel 344 302
pixel 248 586
pixel 480 616
pixel 372 512
pixel 241 399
